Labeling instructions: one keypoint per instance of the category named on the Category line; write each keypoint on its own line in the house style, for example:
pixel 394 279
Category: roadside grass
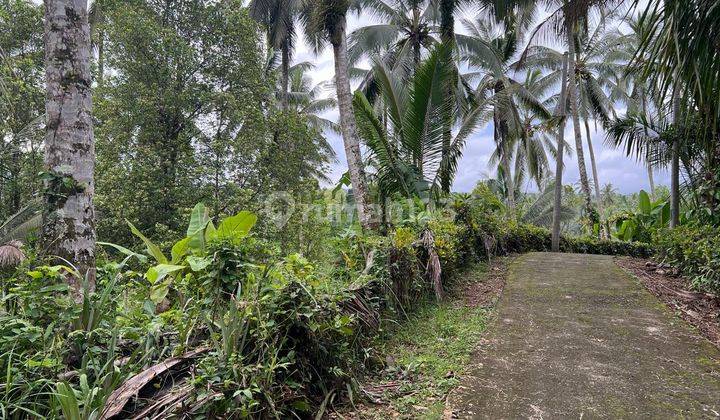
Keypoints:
pixel 426 355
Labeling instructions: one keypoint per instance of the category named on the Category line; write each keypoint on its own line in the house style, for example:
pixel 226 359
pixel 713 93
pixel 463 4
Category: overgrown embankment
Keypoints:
pixel 422 357
pixel 280 335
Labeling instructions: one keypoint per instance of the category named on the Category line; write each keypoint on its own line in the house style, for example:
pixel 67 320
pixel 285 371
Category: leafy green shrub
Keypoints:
pixel 587 245
pixel 518 238
pixel 640 225
pixel 279 346
pixel 695 251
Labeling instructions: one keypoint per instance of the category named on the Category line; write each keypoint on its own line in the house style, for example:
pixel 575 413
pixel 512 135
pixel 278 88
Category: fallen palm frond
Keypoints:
pixel 11 254
pixel 433 268
pixel 119 399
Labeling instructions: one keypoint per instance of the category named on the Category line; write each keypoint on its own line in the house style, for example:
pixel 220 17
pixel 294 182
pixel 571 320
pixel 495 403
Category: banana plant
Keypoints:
pixel 190 253
pixel 651 215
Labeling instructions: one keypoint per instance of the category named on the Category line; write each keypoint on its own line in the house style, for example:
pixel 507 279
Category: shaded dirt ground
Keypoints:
pixel 701 310
pixel 576 337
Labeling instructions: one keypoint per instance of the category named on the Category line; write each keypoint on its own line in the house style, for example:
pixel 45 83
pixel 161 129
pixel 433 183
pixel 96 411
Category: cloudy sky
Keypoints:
pixel 613 167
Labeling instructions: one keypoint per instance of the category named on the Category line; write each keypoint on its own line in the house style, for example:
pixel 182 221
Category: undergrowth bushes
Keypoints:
pixel 275 336
pixel 695 251
pixel 519 238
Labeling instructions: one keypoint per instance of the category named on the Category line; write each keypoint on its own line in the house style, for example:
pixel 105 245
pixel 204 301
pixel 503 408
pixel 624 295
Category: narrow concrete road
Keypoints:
pixel 576 337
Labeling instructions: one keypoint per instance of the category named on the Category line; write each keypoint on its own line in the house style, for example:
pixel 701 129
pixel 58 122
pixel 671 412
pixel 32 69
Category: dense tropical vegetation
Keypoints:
pixel 171 242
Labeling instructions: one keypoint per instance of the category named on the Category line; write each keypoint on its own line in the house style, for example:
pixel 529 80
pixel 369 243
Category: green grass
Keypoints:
pixel 429 352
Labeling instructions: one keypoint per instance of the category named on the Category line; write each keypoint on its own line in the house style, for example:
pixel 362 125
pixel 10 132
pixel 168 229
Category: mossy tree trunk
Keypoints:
pixel 69 217
pixel 557 206
pixel 348 126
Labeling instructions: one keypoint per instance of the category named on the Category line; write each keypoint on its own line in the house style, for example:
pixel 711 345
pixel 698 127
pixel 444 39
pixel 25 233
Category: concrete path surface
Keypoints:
pixel 576 337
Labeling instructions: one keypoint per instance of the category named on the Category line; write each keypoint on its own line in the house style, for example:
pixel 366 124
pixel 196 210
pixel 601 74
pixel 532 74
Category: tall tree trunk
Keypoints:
pixel 596 179
pixel 415 36
pixel 285 75
pixel 447 20
pixel 15 169
pixel 447 36
pixel 557 206
pixel 416 56
pixel 349 128
pixel 675 165
pixel 501 141
pixel 651 180
pixel 572 96
pixel 69 218
pixel 509 183
pixel 445 176
pixel 646 114
pixel 101 58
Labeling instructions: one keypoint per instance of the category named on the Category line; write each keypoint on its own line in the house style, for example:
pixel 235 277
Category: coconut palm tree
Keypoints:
pixel 540 211
pixel 532 145
pixel 325 21
pixel 629 86
pixel 560 112
pixel 69 222
pixel 407 30
pixel 279 17
pixel 595 74
pixel 645 99
pixel 406 34
pixel 679 42
pixel 492 48
pixel 567 19
pixel 410 156
pixel 307 99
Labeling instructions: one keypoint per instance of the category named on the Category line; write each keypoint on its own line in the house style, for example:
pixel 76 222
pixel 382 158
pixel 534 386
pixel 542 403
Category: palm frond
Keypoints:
pixel 22 224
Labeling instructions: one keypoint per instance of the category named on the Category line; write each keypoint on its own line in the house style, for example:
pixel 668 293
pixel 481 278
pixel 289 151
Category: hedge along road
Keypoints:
pixel 576 337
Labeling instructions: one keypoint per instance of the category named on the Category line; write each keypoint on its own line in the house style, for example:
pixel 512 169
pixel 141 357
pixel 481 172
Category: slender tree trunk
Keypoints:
pixel 349 128
pixel 101 58
pixel 572 96
pixel 15 168
pixel 501 140
pixel 651 180
pixel 557 206
pixel 416 56
pixel 445 176
pixel 415 34
pixel 285 76
pixel 675 186
pixel 447 20
pixel 69 218
pixel 646 114
pixel 675 165
pixel 509 183
pixel 596 179
pixel 447 36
